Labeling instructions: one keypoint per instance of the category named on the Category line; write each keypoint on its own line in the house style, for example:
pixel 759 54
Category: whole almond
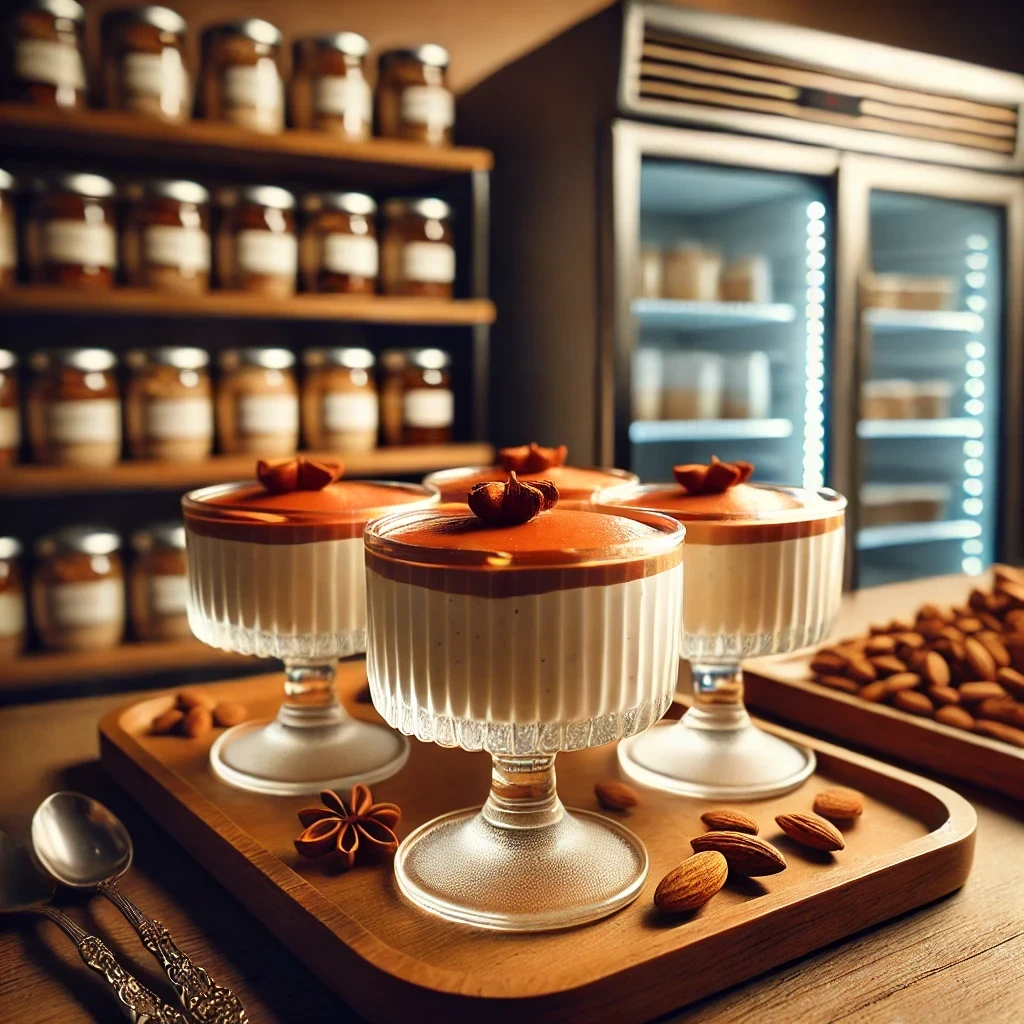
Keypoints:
pixel 1000 731
pixel 1002 709
pixel 728 819
pixel 901 626
pixel 188 699
pixel 931 629
pixel 913 702
pixel 613 795
pixel 839 804
pixel 811 830
pixel 902 681
pixel 977 691
pixel 745 854
pixel 909 639
pixel 1011 589
pixel 829 662
pixel 167 722
pixel 861 670
pixel 880 645
pixel 935 670
pixel 228 713
pixel 1012 681
pixel 990 622
pixel 875 692
pixel 955 716
pixel 995 647
pixel 693 883
pixel 888 665
pixel 198 722
pixel 839 683
pixel 982 665
pixel 943 695
pixel 969 624
pixel 931 611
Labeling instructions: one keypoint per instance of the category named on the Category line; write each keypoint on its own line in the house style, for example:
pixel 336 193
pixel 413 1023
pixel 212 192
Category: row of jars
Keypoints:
pixel 170 409
pixel 78 595
pixel 240 80
pixel 166 242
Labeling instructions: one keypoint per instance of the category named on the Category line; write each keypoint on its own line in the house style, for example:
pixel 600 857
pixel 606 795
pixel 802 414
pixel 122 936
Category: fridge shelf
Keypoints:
pixel 871 538
pixel 952 427
pixel 683 314
pixel 899 320
pixel 653 431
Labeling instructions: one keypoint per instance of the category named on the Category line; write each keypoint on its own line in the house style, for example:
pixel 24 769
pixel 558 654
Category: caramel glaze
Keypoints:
pixel 573 483
pixel 445 549
pixel 247 512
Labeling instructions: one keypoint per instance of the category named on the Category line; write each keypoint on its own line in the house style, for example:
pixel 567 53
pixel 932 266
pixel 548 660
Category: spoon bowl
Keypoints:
pixel 79 842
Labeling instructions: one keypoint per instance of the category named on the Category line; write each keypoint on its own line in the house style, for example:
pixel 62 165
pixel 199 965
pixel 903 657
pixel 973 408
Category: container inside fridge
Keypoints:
pixel 931 337
pixel 731 306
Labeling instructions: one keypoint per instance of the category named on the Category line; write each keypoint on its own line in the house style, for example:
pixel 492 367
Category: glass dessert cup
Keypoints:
pixel 766 581
pixel 288 583
pixel 522 642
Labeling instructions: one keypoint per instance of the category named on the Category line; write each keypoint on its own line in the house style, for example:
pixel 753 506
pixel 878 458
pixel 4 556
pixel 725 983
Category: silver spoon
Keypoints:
pixel 85 846
pixel 24 889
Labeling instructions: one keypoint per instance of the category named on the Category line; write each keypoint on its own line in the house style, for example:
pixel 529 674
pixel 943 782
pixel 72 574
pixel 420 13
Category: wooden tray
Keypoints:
pixel 390 961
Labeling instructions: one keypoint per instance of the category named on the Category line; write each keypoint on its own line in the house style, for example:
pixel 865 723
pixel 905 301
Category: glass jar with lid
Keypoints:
pixel 10 411
pixel 73 241
pixel 74 407
pixel 417 251
pixel 339 400
pixel 8 231
pixel 78 589
pixel 338 250
pixel 413 98
pixel 45 50
pixel 257 248
pixel 328 89
pixel 168 404
pixel 12 599
pixel 166 239
pixel 158 583
pixel 241 76
pixel 144 63
pixel 428 404
pixel 257 402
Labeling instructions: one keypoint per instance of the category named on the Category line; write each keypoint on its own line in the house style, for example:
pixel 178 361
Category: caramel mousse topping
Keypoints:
pixel 531 458
pixel 715 478
pixel 512 503
pixel 286 475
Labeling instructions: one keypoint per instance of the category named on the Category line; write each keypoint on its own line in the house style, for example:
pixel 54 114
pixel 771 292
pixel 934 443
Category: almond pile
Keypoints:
pixel 195 713
pixel 962 666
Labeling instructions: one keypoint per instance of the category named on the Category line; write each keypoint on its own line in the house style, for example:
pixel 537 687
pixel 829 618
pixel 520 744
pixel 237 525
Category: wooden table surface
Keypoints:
pixel 959 960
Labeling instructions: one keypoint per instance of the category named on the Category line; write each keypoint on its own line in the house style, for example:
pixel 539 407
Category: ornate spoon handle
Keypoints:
pixel 141 1005
pixel 202 997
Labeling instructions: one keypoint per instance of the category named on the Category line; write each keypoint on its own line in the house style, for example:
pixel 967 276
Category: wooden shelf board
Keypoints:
pixel 107 133
pixel 376 309
pixel 143 475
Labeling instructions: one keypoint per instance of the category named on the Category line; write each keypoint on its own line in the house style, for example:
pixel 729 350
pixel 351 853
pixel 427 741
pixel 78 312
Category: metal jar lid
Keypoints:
pixel 423 206
pixel 162 18
pixel 81 540
pixel 180 357
pixel 91 186
pixel 351 358
pixel 356 203
pixel 352 44
pixel 88 360
pixel 70 9
pixel 8 359
pixel 167 536
pixel 10 547
pixel 429 53
pixel 429 358
pixel 267 358
pixel 180 191
pixel 256 29
pixel 267 195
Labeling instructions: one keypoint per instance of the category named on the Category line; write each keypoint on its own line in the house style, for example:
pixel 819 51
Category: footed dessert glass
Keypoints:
pixel 281 576
pixel 523 640
pixel 764 571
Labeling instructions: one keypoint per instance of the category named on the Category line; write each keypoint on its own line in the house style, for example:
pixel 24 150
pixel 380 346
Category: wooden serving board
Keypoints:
pixel 390 961
pixel 784 687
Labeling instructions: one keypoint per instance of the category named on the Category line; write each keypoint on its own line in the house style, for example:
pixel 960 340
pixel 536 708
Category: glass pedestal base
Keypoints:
pixel 466 868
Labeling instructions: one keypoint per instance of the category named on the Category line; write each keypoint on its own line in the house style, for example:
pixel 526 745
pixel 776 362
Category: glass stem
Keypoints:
pixel 310 697
pixel 523 793
pixel 717 697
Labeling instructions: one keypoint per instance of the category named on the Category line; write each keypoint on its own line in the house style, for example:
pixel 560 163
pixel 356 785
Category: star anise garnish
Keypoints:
pixel 715 478
pixel 299 474
pixel 350 829
pixel 531 458
pixel 511 503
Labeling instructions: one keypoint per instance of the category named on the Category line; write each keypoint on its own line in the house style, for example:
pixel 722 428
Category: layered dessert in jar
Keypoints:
pixel 531 462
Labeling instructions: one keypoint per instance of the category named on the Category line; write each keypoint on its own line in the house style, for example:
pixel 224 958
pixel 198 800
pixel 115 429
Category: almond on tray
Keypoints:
pixel 962 666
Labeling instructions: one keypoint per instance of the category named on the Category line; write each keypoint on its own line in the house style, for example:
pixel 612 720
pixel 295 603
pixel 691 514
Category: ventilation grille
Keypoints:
pixel 677 69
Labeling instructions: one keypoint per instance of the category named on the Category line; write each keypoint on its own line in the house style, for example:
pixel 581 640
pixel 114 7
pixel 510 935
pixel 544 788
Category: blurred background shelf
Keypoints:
pixel 656 431
pixel 871 538
pixel 691 315
pixel 890 429
pixel 896 320
pixel 134 475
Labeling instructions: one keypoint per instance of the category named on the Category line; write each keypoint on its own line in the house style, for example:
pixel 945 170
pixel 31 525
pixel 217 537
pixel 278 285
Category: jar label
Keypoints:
pixel 169 246
pixel 179 419
pixel 255 85
pixel 157 74
pixel 351 254
pixel 79 243
pixel 268 414
pixel 168 595
pixel 432 262
pixel 266 252
pixel 91 603
pixel 343 96
pixel 43 60
pixel 428 407
pixel 347 410
pixel 10 428
pixel 12 614
pixel 93 420
pixel 428 104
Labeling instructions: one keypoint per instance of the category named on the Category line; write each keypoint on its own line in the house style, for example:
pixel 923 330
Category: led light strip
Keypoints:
pixel 814 312
pixel 974 406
